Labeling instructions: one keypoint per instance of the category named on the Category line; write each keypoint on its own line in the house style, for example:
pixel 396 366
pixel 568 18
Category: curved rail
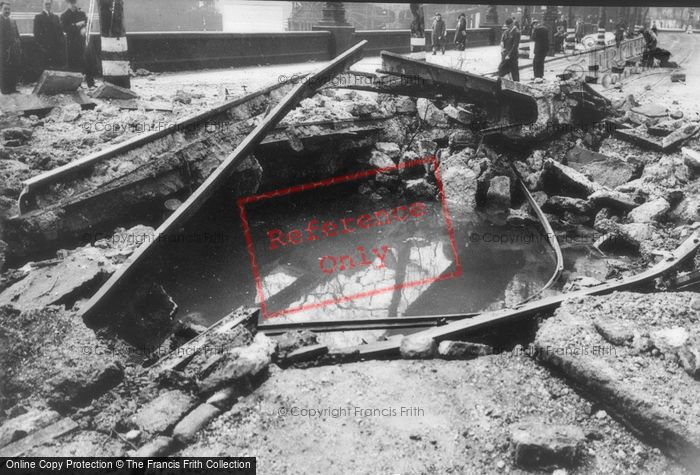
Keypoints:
pixel 551 237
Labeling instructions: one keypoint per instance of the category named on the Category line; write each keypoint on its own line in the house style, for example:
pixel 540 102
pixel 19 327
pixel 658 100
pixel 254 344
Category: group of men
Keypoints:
pixel 439 33
pixel 62 43
pixel 510 44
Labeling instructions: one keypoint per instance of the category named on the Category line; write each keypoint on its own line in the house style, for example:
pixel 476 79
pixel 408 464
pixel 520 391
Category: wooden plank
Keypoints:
pixel 221 174
pixel 47 434
pixel 490 319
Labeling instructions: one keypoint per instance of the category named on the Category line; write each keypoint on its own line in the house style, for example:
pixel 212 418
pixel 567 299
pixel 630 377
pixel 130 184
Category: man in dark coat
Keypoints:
pixel 439 33
pixel 540 36
pixel 48 36
pixel 74 23
pixel 510 42
pixel 10 50
pixel 461 32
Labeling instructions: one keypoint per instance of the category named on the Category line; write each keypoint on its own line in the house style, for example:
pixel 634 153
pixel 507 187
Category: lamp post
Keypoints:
pixel 551 15
pixel 334 22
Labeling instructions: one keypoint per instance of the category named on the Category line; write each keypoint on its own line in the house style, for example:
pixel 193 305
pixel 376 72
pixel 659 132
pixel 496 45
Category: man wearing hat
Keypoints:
pixel 439 33
pixel 540 36
pixel 510 42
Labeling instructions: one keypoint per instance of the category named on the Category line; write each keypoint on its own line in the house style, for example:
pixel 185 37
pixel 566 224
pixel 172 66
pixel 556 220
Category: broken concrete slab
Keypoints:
pixel 570 180
pixel 78 388
pixel 692 158
pixel 542 445
pixel 238 365
pixel 110 91
pixel 59 282
pixel 613 199
pixel 460 188
pixel 291 341
pixel 462 350
pixel 25 424
pixel 389 148
pixel 58 82
pixel 607 171
pixel 498 194
pixel 20 447
pixel 651 211
pixel 663 144
pixel 418 347
pixel 26 104
pixel 562 204
pixel 162 413
pixel 430 114
pixel 306 353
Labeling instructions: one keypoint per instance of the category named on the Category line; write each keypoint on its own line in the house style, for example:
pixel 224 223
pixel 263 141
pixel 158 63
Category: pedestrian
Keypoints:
pixel 10 50
pixel 540 36
pixel 652 50
pixel 48 37
pixel 510 42
pixel 74 24
pixel 559 38
pixel 439 33
pixel 655 29
pixel 620 28
pixel 461 32
pixel 580 30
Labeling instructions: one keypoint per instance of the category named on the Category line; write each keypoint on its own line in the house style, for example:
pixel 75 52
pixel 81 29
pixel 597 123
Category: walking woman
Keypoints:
pixel 461 32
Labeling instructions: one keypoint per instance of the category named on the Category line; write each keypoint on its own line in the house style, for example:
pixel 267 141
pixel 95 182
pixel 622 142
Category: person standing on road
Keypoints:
pixel 439 33
pixel 559 38
pixel 461 32
pixel 620 28
pixel 74 23
pixel 48 36
pixel 510 42
pixel 540 36
pixel 10 50
pixel 580 31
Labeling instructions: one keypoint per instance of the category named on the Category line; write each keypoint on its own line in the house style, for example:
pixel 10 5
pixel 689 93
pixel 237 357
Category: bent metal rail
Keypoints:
pixel 487 320
pixel 36 185
pixel 221 174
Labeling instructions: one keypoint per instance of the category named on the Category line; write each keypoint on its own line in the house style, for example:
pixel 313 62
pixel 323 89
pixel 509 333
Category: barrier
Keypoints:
pixel 184 51
pixel 570 42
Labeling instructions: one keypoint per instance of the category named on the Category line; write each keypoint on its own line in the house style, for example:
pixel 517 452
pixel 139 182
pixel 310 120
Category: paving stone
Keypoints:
pixel 540 445
pixel 391 149
pixel 159 447
pixel 58 82
pixel 164 411
pixel 462 350
pixel 193 422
